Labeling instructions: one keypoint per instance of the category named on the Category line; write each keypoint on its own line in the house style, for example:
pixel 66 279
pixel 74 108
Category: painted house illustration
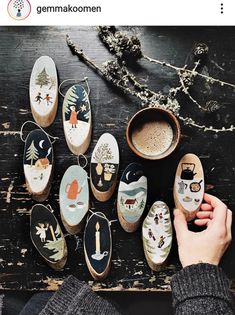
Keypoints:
pixel 42 163
pixel 130 203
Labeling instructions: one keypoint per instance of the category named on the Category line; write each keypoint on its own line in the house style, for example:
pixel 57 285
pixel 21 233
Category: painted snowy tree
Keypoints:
pixel 53 83
pixel 43 78
pixel 142 204
pixel 32 153
pixel 56 246
pixel 72 100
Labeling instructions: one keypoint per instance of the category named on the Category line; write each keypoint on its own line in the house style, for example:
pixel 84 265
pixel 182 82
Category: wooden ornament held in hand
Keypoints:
pixel 77 119
pixel 44 91
pixel 132 196
pixel 38 162
pixel 157 235
pixel 98 245
pixel 104 167
pixel 189 185
pixel 47 237
pixel 74 198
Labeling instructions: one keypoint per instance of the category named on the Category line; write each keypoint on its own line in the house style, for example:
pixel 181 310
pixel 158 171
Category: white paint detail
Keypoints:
pixel 33 176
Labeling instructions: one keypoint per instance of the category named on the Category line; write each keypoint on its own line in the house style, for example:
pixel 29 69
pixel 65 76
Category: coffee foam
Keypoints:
pixel 153 137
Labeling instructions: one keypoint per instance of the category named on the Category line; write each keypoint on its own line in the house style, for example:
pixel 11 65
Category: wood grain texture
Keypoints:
pixel 22 268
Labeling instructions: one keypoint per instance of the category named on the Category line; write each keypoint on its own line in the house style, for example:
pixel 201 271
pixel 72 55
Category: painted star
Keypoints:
pixel 83 108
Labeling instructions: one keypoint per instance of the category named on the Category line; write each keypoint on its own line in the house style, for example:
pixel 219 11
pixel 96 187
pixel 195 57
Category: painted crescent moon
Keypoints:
pixel 41 143
pixel 127 175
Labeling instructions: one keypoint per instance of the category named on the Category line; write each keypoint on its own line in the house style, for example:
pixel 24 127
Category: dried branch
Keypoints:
pixel 116 73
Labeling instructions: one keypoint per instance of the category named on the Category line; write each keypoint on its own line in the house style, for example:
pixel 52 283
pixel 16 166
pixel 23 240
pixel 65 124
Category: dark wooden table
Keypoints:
pixel 22 268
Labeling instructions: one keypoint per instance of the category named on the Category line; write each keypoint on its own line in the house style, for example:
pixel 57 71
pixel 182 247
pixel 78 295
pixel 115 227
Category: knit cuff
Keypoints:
pixel 62 299
pixel 200 280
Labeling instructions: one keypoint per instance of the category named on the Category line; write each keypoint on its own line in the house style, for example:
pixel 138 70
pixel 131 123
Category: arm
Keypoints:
pixel 77 298
pixel 201 287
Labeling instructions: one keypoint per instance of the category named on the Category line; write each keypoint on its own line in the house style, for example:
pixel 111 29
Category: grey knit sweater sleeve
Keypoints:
pixel 201 289
pixel 77 298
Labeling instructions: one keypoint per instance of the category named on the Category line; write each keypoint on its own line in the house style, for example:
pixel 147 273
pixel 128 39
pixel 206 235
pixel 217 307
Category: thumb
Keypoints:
pixel 180 224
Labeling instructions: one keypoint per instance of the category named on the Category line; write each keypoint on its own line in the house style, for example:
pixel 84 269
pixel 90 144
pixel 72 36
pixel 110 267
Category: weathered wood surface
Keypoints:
pixel 21 266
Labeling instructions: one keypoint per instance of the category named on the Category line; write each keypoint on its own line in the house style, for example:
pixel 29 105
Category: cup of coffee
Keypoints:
pixel 153 133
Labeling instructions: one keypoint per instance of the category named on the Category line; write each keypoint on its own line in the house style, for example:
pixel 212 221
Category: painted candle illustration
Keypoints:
pixel 132 193
pixel 98 245
pixel 76 115
pixel 98 254
pixel 43 86
pixel 38 156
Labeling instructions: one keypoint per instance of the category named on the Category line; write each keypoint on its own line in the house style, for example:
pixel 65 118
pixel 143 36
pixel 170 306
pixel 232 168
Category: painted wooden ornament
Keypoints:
pixel 189 185
pixel 74 198
pixel 157 235
pixel 104 167
pixel 98 245
pixel 77 119
pixel 132 197
pixel 38 164
pixel 44 91
pixel 47 236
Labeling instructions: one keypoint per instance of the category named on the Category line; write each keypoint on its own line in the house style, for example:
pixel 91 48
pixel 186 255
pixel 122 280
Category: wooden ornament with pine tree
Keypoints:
pixel 74 198
pixel 189 185
pixel 77 119
pixel 47 236
pixel 38 160
pixel 157 235
pixel 132 197
pixel 98 245
pixel 104 167
pixel 43 92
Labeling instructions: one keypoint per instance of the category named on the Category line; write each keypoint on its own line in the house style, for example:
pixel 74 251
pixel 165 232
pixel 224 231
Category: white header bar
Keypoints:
pixel 117 12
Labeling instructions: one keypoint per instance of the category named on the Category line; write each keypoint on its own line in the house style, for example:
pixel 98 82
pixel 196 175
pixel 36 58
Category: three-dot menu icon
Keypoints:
pixel 221 8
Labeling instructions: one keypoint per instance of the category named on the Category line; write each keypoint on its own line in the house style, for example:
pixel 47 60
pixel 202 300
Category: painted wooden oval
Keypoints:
pixel 38 161
pixel 44 91
pixel 47 236
pixel 189 185
pixel 74 197
pixel 157 235
pixel 132 196
pixel 77 119
pixel 104 166
pixel 98 245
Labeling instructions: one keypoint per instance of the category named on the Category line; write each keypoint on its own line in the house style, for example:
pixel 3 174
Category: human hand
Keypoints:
pixel 209 245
